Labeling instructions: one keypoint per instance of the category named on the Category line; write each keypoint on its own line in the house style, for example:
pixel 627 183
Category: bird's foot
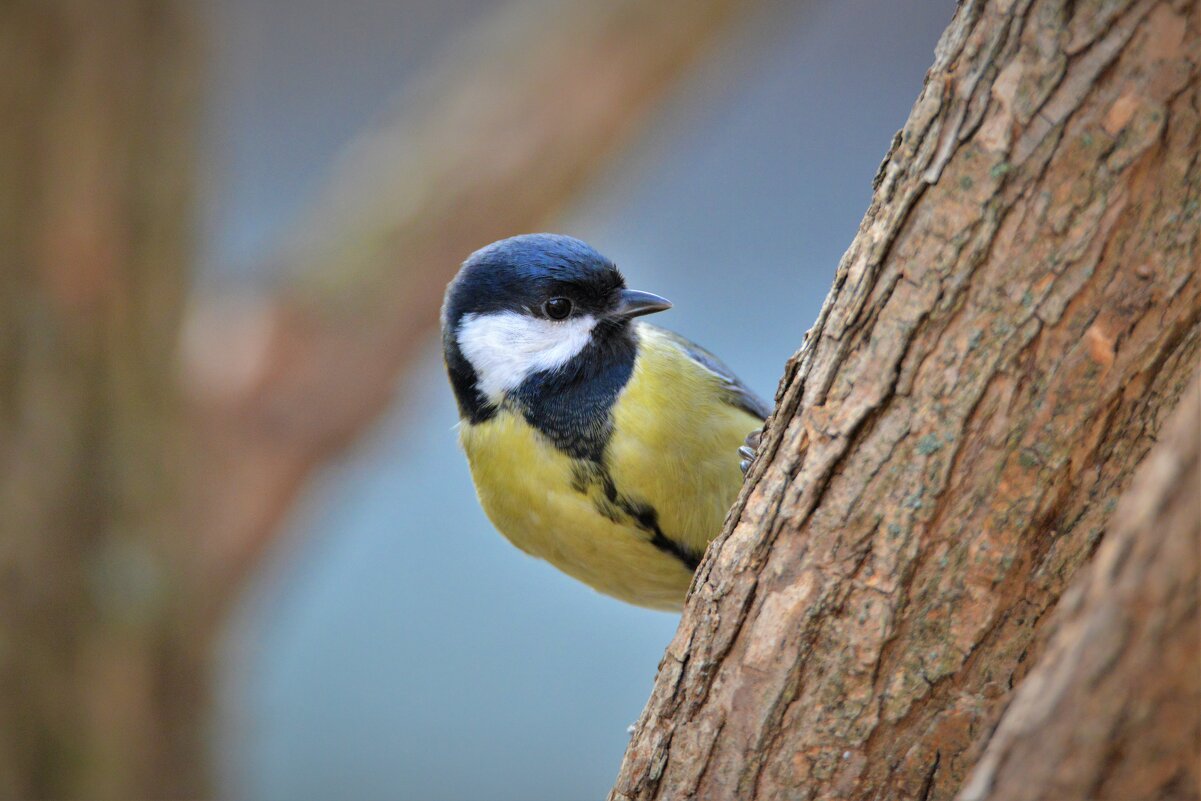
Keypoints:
pixel 748 451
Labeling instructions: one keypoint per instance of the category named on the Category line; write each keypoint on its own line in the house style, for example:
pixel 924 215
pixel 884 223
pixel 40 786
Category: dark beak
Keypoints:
pixel 635 304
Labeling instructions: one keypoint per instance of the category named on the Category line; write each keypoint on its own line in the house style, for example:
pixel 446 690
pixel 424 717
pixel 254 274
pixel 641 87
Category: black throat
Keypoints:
pixel 571 405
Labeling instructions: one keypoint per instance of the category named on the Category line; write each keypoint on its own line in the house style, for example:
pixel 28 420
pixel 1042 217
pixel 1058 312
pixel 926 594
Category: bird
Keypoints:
pixel 603 444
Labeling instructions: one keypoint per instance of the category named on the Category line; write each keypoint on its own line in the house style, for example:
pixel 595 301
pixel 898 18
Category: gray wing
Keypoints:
pixel 740 394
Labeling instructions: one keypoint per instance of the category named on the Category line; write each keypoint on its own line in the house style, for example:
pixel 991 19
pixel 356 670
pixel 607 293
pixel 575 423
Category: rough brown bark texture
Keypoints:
pixel 1113 708
pixel 97 679
pixel 1020 310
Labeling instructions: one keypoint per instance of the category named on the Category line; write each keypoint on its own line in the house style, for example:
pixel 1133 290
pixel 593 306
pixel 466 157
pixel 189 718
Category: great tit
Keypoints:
pixel 605 445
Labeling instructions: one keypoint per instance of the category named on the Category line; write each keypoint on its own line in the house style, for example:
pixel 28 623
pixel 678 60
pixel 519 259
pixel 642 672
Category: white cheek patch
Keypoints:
pixel 505 348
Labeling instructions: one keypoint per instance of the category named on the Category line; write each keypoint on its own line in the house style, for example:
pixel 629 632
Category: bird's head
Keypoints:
pixel 531 304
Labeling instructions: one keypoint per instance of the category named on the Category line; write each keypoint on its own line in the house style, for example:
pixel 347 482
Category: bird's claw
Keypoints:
pixel 748 451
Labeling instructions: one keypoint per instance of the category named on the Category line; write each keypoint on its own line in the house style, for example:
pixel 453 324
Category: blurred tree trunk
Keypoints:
pixel 1019 312
pixel 97 682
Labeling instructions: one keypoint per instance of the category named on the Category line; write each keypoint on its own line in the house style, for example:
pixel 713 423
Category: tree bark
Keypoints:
pixel 1019 311
pixel 1113 708
pixel 97 676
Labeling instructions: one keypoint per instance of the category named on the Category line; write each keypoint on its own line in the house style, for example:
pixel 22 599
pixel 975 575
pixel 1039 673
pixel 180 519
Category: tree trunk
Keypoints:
pixel 1020 310
pixel 97 680
pixel 1113 709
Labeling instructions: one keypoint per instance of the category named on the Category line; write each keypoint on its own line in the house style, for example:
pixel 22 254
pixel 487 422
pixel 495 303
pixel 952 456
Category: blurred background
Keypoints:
pixel 241 554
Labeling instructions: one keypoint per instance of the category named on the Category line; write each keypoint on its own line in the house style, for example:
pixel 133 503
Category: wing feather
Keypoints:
pixel 739 394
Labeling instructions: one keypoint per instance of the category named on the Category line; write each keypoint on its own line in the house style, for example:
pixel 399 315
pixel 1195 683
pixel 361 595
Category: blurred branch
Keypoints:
pixel 509 126
pixel 1113 707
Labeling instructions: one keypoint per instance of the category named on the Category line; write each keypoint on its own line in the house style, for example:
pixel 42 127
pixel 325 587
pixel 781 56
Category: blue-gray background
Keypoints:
pixel 396 647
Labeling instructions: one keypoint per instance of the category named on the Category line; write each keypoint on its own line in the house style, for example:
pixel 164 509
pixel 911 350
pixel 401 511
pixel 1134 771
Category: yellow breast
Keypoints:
pixel 674 449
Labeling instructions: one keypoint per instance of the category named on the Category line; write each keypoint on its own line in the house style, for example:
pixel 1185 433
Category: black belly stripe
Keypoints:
pixel 690 560
pixel 612 504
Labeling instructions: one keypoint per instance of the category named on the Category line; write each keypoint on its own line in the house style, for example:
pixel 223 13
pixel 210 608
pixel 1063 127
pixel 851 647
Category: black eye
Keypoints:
pixel 557 308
